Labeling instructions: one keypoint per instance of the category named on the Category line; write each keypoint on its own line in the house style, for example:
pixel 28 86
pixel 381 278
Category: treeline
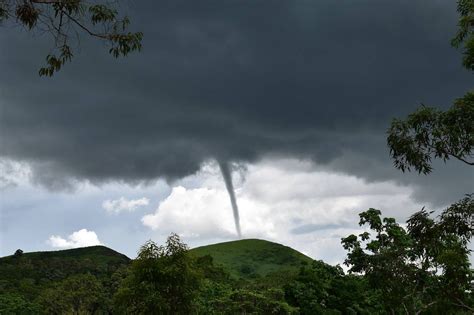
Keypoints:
pixel 422 268
pixel 168 280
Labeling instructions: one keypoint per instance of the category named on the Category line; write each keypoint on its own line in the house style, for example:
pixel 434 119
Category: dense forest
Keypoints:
pixel 421 269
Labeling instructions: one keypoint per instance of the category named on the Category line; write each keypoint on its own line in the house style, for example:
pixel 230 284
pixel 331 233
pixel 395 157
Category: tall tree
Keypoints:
pixel 421 268
pixel 162 280
pixel 323 289
pixel 66 21
pixel 431 133
pixel 78 294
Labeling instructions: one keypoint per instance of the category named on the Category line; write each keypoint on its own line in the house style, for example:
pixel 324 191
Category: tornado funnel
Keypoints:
pixel 227 175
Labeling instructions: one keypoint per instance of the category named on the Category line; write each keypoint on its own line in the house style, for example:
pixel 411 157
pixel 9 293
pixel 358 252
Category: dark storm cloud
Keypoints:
pixel 231 80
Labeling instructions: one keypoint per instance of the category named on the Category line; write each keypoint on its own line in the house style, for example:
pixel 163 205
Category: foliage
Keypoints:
pixel 423 267
pixel 430 133
pixel 79 294
pixel 221 293
pixel 465 34
pixel 234 298
pixel 65 19
pixel 42 268
pixel 43 280
pixel 324 289
pixel 243 301
pixel 162 280
pixel 15 304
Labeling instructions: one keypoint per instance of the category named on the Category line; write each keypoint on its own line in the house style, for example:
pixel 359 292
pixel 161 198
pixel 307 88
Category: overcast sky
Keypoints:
pixel 296 95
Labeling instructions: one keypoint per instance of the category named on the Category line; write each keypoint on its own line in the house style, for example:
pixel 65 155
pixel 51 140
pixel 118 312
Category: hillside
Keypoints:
pixel 242 259
pixel 39 268
pixel 95 253
pixel 252 257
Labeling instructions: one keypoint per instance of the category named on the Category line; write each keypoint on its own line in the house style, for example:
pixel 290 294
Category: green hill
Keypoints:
pixel 253 257
pixel 96 253
pixel 41 268
pixel 244 259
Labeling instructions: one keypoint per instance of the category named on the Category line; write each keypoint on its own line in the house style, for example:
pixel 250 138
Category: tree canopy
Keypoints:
pixel 465 36
pixel 421 268
pixel 162 280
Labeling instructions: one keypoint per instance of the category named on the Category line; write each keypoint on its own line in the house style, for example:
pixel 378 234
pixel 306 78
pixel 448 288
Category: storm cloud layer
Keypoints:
pixel 233 81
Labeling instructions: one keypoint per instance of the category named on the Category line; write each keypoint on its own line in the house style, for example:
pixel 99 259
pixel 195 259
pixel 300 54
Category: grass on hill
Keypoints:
pixel 253 257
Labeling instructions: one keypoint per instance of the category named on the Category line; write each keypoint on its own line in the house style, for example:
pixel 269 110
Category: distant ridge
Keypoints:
pixel 72 252
pixel 253 257
pixel 99 261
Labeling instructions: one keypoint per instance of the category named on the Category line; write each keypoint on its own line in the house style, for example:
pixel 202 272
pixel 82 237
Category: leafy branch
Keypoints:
pixel 63 18
pixel 429 133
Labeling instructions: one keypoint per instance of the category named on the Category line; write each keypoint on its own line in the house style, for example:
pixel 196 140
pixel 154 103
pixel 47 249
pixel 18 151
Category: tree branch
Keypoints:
pixel 461 159
pixel 463 305
pixel 102 36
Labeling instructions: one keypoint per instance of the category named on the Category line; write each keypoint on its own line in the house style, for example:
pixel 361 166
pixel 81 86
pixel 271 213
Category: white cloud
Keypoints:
pixel 81 238
pixel 123 204
pixel 286 201
pixel 193 213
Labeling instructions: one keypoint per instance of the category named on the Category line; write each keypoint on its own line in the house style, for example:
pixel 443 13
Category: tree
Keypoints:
pixel 434 254
pixel 78 294
pixel 465 34
pixel 430 133
pixel 162 280
pixel 324 289
pixel 245 301
pixel 66 20
pixel 11 303
pixel 421 268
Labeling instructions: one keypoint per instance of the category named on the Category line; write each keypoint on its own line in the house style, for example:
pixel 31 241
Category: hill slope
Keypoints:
pixel 91 252
pixel 41 267
pixel 242 259
pixel 251 257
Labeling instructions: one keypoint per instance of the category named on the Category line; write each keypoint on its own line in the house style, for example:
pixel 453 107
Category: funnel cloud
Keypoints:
pixel 227 175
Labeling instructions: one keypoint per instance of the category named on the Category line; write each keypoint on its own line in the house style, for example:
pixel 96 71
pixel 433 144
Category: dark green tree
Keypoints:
pixel 324 289
pixel 421 268
pixel 78 294
pixel 246 301
pixel 18 253
pixel 11 303
pixel 65 20
pixel 430 133
pixel 162 280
